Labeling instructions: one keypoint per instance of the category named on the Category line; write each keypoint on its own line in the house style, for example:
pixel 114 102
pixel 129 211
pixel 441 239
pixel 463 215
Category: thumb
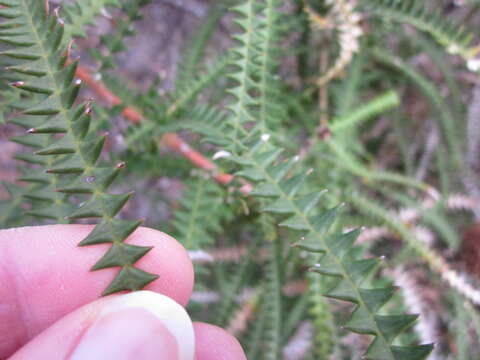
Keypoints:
pixel 141 325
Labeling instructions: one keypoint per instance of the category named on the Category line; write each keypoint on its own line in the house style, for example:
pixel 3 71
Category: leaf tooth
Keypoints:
pixel 64 145
pixel 378 349
pixel 243 9
pixel 72 164
pixel 110 230
pixel 67 73
pixel 36 141
pixel 251 174
pixel 392 325
pixel 10 13
pixel 342 291
pixel 15 38
pixel 89 209
pixel 341 243
pixel 11 24
pixel 55 36
pixel 374 299
pixel 121 254
pixel 360 322
pixel 100 205
pixel 32 53
pixel 112 204
pixel 265 158
pixel 83 118
pixel 308 202
pixel 27 69
pixel 311 243
pixel 35 85
pixel 292 185
pixel 31 158
pixel 51 212
pixel 70 94
pixel 280 170
pixel 129 278
pixel 104 176
pixel 41 194
pixel 35 176
pixel 295 222
pixel 418 352
pixel 92 149
pixel 265 190
pixel 54 125
pixel 328 266
pixel 360 269
pixel 49 106
pixel 324 221
pixel 279 206
pixel 27 121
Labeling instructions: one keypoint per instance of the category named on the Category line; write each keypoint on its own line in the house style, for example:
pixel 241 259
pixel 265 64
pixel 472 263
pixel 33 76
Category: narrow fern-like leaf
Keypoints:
pixel 273 300
pixel 282 191
pixel 65 147
pixel 453 37
pixel 81 13
pixel 201 213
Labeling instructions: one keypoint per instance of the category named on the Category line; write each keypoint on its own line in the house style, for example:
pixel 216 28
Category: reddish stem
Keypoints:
pixel 172 140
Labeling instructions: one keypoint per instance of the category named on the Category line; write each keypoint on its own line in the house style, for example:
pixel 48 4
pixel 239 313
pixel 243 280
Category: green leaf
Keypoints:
pixel 66 149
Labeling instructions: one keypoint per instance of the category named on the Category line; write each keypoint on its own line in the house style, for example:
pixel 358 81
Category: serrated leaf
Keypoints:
pixel 295 222
pixel 129 278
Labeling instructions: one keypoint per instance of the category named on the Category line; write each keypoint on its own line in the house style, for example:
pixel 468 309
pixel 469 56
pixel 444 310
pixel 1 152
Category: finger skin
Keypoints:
pixel 44 276
pixel 214 343
pixel 61 340
pixel 126 334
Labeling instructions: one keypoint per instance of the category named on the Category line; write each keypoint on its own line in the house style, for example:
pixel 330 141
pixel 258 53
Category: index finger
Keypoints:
pixel 44 275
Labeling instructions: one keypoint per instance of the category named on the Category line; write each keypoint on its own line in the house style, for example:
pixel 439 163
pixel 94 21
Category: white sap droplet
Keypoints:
pixel 221 154
pixel 473 65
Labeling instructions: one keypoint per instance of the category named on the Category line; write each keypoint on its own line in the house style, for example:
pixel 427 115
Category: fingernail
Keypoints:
pixel 140 325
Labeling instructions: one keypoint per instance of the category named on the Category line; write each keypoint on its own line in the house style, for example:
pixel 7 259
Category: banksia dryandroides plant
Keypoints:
pixel 66 147
pixel 269 138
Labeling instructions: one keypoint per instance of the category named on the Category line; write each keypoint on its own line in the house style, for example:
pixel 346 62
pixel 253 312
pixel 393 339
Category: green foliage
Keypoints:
pixel 446 120
pixel 201 213
pixel 273 301
pixel 114 43
pixel 81 13
pixel 10 209
pixel 68 164
pixel 385 131
pixel 281 188
pixel 322 317
pixel 196 46
pixel 452 36
pixel 174 108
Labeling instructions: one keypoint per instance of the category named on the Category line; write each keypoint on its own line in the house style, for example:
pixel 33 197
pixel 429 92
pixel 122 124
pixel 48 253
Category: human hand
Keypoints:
pixel 49 306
